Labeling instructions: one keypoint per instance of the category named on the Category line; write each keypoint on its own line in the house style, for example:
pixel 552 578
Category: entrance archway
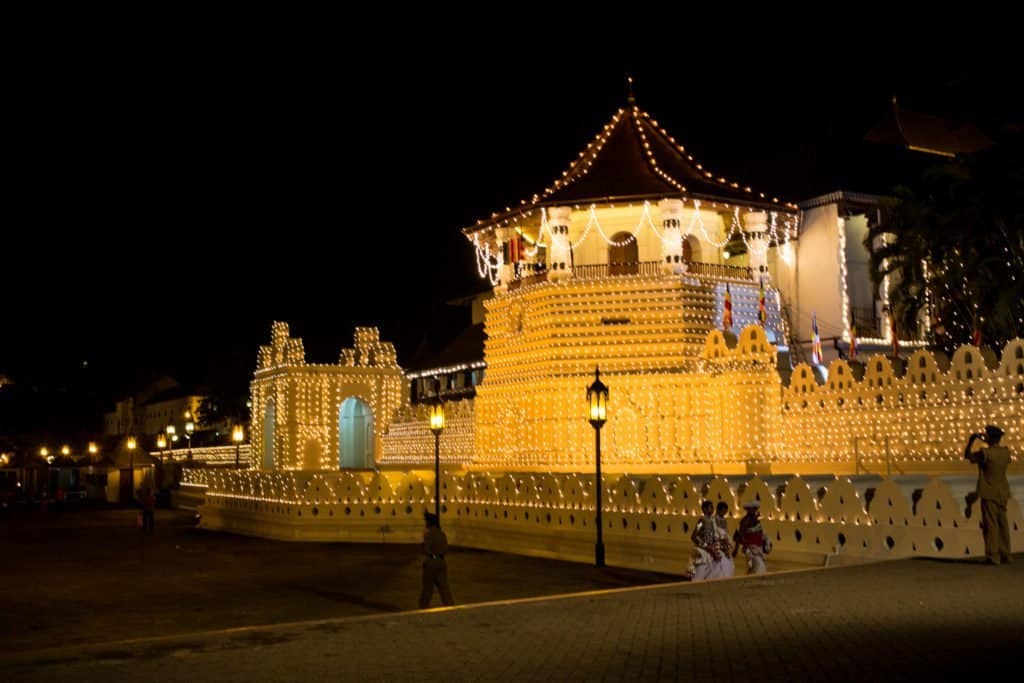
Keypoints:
pixel 268 436
pixel 355 434
pixel 623 254
pixel 691 249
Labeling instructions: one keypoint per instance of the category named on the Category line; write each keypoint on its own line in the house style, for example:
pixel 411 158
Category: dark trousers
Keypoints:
pixel 147 519
pixel 997 531
pixel 435 573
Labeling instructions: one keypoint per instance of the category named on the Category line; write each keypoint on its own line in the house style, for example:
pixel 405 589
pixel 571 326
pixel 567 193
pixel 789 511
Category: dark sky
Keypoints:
pixel 175 192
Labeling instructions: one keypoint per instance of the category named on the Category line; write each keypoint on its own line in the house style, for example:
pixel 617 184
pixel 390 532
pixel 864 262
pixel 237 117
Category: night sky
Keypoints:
pixel 174 194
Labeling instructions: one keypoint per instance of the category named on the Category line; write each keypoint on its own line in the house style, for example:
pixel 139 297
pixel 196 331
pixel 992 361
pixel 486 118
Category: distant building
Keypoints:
pixel 148 413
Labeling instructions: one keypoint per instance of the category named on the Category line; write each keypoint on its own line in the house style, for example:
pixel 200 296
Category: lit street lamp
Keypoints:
pixel 190 427
pixel 131 461
pixel 597 398
pixel 437 426
pixel 237 435
pixel 170 437
pixel 92 448
pixel 65 450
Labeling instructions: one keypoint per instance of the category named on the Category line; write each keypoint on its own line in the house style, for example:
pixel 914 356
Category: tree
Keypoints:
pixel 954 248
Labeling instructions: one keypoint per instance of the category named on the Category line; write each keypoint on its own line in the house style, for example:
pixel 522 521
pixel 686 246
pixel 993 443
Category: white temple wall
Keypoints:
pixel 859 287
pixel 818 278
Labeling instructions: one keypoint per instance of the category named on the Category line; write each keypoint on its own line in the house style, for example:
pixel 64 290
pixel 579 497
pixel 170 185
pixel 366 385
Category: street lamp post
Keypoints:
pixel 597 399
pixel 237 435
pixel 190 427
pixel 170 437
pixel 437 426
pixel 131 461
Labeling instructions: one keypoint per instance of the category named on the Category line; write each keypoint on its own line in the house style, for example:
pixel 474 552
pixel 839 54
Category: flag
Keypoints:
pixel 815 341
pixel 727 313
pixel 895 339
pixel 762 310
pixel 516 248
pixel 976 336
pixel 853 341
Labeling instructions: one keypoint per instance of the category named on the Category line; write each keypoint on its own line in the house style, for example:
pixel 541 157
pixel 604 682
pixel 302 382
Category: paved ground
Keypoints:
pixel 903 620
pixel 89 575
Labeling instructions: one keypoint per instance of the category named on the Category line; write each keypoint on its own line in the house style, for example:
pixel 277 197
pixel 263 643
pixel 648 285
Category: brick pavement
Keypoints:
pixel 900 620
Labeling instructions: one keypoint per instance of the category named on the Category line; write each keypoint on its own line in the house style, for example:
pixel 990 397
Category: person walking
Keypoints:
pixel 994 492
pixel 435 568
pixel 706 549
pixel 148 509
pixel 724 566
pixel 751 539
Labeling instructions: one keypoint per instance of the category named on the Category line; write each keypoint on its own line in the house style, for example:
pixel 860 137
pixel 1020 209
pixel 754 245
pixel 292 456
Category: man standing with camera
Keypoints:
pixel 994 492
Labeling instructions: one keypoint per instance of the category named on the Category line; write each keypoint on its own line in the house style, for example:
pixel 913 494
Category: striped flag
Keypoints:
pixel 815 340
pixel 762 308
pixel 516 248
pixel 727 313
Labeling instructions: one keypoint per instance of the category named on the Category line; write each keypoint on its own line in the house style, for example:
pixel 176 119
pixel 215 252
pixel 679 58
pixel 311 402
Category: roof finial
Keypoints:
pixel 629 88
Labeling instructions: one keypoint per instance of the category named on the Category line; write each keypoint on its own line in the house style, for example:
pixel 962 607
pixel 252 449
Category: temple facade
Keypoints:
pixel 697 296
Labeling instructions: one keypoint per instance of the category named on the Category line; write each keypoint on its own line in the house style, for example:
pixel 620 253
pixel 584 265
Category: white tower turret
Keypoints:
pixel 755 226
pixel 559 256
pixel 671 235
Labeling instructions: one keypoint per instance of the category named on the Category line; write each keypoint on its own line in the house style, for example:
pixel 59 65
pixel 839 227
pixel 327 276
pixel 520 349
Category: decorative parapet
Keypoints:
pixel 875 415
pixel 211 455
pixel 752 350
pixel 649 518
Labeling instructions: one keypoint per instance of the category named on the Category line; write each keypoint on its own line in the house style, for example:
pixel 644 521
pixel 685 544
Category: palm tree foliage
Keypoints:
pixel 953 248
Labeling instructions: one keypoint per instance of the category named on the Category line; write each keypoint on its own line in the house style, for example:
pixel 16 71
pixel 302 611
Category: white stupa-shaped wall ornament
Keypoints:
pixel 755 226
pixel 560 256
pixel 671 235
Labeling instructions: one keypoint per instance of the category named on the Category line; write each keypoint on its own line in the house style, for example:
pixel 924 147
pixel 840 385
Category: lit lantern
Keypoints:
pixel 238 435
pixel 437 426
pixel 597 398
pixel 437 417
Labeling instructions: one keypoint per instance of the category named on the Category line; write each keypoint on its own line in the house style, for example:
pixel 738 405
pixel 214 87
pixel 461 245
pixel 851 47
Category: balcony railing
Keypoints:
pixel 592 271
pixel 868 324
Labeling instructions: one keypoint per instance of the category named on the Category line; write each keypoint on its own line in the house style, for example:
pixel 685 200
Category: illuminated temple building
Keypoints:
pixel 634 260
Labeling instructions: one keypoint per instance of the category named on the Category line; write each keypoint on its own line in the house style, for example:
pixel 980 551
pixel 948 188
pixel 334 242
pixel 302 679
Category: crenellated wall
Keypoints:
pixel 871 417
pixel 648 518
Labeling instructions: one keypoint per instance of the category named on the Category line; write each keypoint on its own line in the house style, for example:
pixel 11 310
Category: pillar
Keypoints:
pixel 755 227
pixel 671 235
pixel 559 255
